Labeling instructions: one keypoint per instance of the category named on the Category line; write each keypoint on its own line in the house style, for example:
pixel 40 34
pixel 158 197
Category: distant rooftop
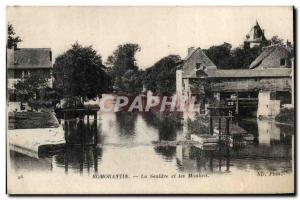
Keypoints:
pixel 29 58
pixel 196 56
pixel 248 73
pixel 267 51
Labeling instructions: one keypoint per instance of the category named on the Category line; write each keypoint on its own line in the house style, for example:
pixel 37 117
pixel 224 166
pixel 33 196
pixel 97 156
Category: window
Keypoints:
pixel 12 97
pixel 200 73
pixel 282 62
pixel 26 73
pixel 17 73
pixel 50 55
pixel 198 65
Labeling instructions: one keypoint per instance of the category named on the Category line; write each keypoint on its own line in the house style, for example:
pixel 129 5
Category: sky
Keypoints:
pixel 160 31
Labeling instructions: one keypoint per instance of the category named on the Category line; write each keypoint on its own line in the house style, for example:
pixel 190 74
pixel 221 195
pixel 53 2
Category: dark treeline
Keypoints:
pixel 80 74
pixel 121 73
pixel 123 70
pixel 226 57
pixel 161 77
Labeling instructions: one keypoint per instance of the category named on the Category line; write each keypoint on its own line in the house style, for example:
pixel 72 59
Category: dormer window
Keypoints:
pixel 199 66
pixel 282 62
pixel 50 56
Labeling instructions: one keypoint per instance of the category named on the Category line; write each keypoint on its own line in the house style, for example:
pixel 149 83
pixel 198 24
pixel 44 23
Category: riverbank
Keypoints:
pixel 35 134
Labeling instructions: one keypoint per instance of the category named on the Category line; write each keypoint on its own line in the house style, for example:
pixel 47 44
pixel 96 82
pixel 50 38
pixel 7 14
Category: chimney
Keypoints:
pixel 190 50
pixel 288 44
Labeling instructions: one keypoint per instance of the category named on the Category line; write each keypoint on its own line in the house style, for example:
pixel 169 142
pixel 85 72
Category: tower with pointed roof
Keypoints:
pixel 255 37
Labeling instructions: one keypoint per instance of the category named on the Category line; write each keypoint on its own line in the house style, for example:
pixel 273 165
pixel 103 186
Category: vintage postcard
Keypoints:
pixel 150 100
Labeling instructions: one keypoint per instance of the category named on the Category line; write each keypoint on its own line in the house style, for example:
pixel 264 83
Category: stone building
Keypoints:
pixel 273 56
pixel 194 63
pixel 24 62
pixel 267 78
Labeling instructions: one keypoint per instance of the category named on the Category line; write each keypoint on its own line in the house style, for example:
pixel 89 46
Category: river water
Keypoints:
pixel 134 143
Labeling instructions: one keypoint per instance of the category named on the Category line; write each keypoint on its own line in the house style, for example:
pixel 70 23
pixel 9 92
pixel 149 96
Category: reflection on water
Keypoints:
pixel 81 132
pixel 126 123
pixel 191 159
pixel 167 152
pixel 267 132
pixel 124 142
pixel 79 158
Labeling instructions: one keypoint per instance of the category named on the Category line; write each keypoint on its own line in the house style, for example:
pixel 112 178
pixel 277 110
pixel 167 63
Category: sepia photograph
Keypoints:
pixel 150 100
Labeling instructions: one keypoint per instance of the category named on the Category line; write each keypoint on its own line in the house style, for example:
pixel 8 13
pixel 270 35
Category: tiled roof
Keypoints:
pixel 29 58
pixel 246 73
pixel 197 56
pixel 267 51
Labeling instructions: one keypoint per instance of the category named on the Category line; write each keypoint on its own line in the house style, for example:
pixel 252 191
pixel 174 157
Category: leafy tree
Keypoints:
pixel 29 89
pixel 12 39
pixel 226 58
pixel 79 72
pixel 122 65
pixel 241 58
pixel 123 59
pixel 220 55
pixel 132 81
pixel 276 40
pixel 161 77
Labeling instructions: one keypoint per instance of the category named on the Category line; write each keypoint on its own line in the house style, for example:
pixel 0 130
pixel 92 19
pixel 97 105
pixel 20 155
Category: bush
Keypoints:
pixel 200 126
pixel 285 116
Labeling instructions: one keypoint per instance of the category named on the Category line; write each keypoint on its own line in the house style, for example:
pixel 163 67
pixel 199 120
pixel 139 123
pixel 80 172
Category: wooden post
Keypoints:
pixel 81 159
pixel 95 117
pixel 220 126
pixel 88 158
pixel 89 128
pixel 211 130
pixel 227 126
pixel 80 129
pixel 237 104
pixel 95 129
pixel 67 131
pixel 64 118
pixel 220 132
pixel 227 158
pixel 66 161
pixel 95 155
pixel 227 145
pixel 211 162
